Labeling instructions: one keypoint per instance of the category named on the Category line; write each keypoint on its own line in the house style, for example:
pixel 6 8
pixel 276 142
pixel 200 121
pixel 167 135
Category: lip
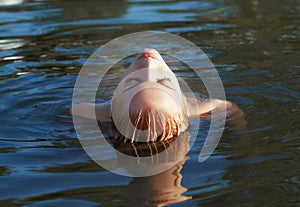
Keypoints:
pixel 147 55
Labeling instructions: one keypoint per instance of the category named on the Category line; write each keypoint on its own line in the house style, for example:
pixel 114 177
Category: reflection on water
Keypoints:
pixel 158 190
pixel 162 188
pixel 254 45
pixel 10 2
pixel 8 44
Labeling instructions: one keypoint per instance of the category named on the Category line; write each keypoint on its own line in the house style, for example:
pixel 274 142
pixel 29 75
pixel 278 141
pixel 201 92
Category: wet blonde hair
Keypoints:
pixel 153 120
pixel 143 149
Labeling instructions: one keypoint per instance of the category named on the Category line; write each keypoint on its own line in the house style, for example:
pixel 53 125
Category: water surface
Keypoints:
pixel 255 48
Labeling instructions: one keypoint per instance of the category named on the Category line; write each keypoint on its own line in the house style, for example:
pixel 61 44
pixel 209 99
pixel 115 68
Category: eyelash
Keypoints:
pixel 160 81
pixel 131 83
pixel 164 79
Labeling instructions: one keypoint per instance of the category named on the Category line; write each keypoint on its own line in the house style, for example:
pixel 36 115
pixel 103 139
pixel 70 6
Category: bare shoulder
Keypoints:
pixel 198 107
pixel 235 117
pixel 102 111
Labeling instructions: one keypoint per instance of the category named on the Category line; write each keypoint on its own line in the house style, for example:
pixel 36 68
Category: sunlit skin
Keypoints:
pixel 154 97
pixel 142 102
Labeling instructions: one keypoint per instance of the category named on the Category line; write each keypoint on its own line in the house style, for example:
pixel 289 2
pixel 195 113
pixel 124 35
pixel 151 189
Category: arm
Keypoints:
pixel 85 110
pixel 198 108
pixel 234 115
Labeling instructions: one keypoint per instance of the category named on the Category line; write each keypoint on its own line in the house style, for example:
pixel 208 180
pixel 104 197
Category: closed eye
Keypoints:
pixel 166 82
pixel 130 83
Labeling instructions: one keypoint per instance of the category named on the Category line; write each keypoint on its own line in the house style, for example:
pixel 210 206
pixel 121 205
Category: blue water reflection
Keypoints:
pixel 43 45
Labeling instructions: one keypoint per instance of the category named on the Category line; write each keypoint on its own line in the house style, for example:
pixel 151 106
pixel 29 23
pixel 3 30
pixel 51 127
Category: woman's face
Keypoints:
pixel 148 84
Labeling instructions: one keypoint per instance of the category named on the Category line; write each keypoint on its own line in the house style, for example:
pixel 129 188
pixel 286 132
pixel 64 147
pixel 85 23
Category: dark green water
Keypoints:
pixel 255 48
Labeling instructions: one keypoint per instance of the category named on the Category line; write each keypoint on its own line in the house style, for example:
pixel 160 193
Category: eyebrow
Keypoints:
pixel 130 79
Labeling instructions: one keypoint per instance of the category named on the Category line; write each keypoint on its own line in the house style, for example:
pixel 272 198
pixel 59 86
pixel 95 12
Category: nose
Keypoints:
pixel 148 53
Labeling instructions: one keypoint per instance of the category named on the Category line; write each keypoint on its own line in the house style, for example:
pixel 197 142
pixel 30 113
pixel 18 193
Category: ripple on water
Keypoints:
pixel 43 45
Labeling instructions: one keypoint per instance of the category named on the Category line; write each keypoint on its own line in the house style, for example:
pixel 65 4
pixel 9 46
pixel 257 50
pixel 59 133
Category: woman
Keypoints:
pixel 148 104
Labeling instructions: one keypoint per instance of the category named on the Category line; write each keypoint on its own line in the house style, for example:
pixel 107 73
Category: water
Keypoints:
pixel 253 44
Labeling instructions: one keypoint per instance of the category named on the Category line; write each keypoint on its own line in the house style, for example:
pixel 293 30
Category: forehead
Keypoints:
pixel 153 97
